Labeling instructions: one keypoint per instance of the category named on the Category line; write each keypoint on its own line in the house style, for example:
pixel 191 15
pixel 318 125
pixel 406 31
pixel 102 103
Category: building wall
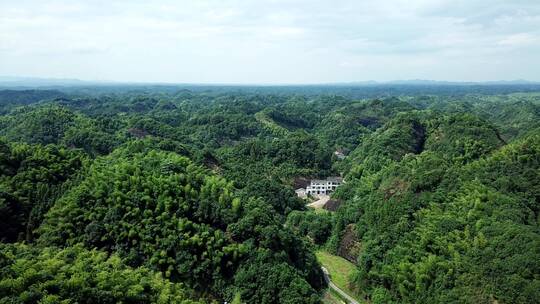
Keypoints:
pixel 301 192
pixel 322 187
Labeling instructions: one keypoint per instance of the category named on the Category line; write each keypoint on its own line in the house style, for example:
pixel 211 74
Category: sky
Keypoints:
pixel 271 42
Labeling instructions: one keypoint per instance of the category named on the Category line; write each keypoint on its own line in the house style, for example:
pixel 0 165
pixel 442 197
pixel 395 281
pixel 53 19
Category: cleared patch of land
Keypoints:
pixel 340 271
pixel 320 202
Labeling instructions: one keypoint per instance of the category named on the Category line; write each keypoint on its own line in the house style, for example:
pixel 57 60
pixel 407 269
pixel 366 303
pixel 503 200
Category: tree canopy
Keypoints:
pixel 171 194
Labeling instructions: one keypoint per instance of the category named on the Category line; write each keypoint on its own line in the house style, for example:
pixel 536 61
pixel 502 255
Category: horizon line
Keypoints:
pixel 19 80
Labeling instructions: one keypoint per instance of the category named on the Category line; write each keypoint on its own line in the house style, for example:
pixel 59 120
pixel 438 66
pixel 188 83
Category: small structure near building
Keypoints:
pixel 301 192
pixel 339 154
pixel 323 186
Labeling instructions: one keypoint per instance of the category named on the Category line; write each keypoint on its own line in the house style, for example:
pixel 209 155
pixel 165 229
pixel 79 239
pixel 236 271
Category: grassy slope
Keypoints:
pixel 270 125
pixel 340 271
pixel 331 297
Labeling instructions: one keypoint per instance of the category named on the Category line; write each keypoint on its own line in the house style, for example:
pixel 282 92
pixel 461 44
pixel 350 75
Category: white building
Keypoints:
pixel 301 192
pixel 323 186
pixel 339 154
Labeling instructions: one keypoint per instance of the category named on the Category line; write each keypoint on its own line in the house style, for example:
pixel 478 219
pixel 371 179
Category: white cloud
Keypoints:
pixel 270 41
pixel 519 40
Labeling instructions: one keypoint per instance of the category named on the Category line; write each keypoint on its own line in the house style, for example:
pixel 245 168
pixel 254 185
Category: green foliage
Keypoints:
pixel 159 209
pixel 478 248
pixel 434 231
pixel 440 203
pixel 270 125
pixel 262 167
pixel 268 282
pixel 92 136
pixel 43 125
pixel 155 207
pixel 462 137
pixel 52 124
pixel 76 275
pixel 32 177
pixel 316 225
pixel 345 127
pixel 513 114
pixel 12 98
pixel 281 197
pixel 274 248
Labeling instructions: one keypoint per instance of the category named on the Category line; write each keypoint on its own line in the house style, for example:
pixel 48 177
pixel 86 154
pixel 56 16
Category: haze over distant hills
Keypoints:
pixel 440 82
pixel 14 81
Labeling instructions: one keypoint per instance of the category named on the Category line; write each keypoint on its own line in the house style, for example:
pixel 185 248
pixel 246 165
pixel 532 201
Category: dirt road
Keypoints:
pixel 336 289
pixel 323 199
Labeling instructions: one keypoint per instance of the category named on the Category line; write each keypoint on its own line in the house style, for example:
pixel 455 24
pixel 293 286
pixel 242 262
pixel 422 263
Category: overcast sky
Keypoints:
pixel 261 41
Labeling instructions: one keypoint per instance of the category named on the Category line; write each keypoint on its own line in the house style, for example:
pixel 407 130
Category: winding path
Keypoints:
pixel 336 289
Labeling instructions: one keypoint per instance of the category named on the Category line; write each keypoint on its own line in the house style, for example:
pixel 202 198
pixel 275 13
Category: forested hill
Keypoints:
pixel 355 90
pixel 14 98
pixel 153 195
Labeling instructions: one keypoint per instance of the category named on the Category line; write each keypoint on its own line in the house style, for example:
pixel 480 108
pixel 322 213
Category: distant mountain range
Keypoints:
pixel 9 81
pixel 28 82
pixel 438 82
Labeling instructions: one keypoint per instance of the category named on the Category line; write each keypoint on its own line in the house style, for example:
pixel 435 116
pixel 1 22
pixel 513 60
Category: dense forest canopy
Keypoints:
pixel 185 194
